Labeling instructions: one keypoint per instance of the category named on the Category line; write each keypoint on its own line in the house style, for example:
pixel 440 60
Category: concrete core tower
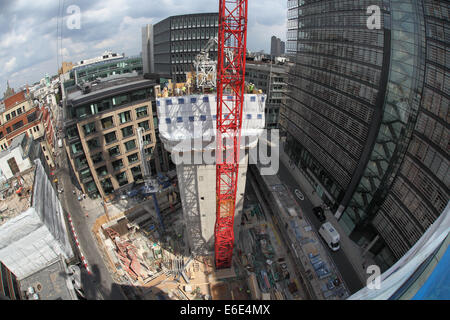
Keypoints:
pixel 187 126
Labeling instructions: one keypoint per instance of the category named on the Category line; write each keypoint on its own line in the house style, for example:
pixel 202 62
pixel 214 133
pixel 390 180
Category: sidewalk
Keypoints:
pixel 351 249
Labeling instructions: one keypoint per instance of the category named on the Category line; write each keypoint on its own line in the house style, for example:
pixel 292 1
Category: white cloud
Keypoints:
pixel 28 40
pixel 10 64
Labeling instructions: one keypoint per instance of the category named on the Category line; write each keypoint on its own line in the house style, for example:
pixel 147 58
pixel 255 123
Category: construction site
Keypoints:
pixel 204 235
pixel 15 195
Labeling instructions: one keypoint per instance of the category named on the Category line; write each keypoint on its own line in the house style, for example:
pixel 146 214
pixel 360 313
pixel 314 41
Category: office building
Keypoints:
pixel 277 47
pixel 101 138
pixel 366 119
pixel 102 67
pixel 271 78
pixel 170 46
pixel 20 114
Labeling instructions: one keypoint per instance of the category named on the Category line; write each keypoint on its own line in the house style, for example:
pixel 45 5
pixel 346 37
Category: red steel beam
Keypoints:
pixel 232 37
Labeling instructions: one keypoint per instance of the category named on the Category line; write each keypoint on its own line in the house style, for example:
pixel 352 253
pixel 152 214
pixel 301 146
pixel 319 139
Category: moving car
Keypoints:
pixel 330 236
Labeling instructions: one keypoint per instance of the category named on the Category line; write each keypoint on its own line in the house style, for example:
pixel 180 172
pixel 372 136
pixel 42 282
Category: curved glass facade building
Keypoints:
pixel 367 116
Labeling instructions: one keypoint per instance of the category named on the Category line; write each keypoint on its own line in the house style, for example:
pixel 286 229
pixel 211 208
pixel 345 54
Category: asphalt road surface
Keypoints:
pixel 99 285
pixel 341 261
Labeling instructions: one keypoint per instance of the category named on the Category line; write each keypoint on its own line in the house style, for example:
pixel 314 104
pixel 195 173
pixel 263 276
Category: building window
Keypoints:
pixel 85 174
pixel 102 171
pixel 124 117
pixel 93 144
pixel 117 165
pixel 81 162
pixel 122 178
pixel 145 125
pixel 19 111
pixel 133 158
pixel 17 125
pixel 136 172
pixel 141 112
pixel 8 117
pixel 119 100
pixel 107 123
pixel 130 145
pixel 89 128
pixel 8 129
pixel 114 151
pixel 76 147
pixel 147 139
pixel 110 137
pixel 96 158
pixel 127 131
pixel 107 186
pixel 13 114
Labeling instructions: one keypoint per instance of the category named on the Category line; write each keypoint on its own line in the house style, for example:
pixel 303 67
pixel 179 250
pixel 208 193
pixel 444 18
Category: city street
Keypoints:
pixel 99 285
pixel 340 259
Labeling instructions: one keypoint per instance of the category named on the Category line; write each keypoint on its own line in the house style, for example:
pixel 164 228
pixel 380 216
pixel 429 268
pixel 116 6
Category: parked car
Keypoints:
pixel 319 213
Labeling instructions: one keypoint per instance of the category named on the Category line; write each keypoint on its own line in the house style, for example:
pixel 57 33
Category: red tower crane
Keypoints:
pixel 232 44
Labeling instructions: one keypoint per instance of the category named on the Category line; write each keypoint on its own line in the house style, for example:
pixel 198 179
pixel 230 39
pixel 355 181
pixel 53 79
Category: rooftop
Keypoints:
pixel 76 95
pixel 51 282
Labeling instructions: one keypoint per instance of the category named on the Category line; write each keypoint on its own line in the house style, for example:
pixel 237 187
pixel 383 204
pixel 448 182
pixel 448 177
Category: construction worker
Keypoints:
pixel 184 90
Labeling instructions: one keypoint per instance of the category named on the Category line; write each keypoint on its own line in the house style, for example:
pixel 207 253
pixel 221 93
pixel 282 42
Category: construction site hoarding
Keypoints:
pixel 38 236
pixel 188 123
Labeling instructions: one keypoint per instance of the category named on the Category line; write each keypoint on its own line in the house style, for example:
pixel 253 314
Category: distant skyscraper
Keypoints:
pixel 147 49
pixel 276 47
pixel 367 119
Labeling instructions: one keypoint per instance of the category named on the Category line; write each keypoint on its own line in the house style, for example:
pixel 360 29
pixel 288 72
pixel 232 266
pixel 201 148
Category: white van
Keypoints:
pixel 330 235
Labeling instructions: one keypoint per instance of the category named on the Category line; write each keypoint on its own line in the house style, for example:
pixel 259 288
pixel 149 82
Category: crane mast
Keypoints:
pixel 232 37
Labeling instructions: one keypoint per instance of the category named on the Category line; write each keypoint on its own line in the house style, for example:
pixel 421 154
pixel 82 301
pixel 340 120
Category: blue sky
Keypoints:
pixel 28 30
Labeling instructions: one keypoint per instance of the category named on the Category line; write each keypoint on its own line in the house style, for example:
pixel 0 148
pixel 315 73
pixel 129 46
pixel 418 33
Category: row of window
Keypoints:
pixel 437 104
pixel 321 7
pixel 335 19
pixel 15 113
pixel 425 184
pixel 113 102
pixel 433 130
pixel 431 158
pixel 195 22
pixel 193 34
pixel 122 118
pixel 348 68
pixel 334 98
pixel 338 118
pixel 350 87
pixel 360 37
pixel 204 118
pixel 191 46
pixel 413 202
pixel 328 162
pixel 194 100
pixel 343 151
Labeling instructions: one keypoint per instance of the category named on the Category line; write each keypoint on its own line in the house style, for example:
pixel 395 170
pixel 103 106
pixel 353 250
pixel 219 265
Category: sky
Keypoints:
pixel 29 30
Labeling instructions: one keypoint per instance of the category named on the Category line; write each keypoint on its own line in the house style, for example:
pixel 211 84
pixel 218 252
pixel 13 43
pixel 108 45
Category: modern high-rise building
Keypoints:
pixel 101 138
pixel 277 47
pixel 367 115
pixel 171 45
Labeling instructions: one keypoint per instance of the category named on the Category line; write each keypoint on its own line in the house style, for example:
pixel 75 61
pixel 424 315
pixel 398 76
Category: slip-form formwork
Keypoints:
pixel 187 128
